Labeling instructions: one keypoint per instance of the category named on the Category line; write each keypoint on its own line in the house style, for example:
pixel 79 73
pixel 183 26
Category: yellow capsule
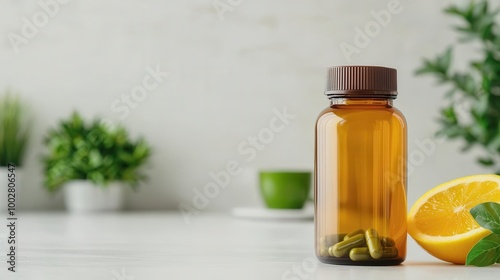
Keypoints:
pixel 373 243
pixel 330 239
pixel 354 233
pixel 340 249
pixel 387 242
pixel 323 251
pixel 390 252
pixel 360 254
pixel 363 253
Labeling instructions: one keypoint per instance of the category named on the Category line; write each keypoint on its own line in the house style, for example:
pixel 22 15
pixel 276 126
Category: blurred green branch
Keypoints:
pixel 473 112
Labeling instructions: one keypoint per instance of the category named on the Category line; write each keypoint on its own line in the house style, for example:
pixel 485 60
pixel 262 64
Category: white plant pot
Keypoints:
pixel 82 196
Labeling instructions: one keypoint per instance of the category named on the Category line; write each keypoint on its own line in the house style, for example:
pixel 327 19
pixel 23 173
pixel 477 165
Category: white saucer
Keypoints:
pixel 307 213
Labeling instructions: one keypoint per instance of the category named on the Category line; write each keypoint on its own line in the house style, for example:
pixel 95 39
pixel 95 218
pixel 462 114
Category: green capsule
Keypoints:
pixel 330 239
pixel 373 243
pixel 390 252
pixel 363 253
pixel 354 233
pixel 340 249
pixel 360 254
pixel 387 242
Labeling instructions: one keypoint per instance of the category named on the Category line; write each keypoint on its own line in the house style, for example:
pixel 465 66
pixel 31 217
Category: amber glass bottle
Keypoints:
pixel 360 170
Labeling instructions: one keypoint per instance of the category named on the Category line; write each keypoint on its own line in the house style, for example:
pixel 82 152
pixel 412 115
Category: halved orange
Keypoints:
pixel 440 220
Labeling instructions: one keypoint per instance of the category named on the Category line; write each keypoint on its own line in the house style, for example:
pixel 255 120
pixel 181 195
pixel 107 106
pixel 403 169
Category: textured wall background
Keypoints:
pixel 227 71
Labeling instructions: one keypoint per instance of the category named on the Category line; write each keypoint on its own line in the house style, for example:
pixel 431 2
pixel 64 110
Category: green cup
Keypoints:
pixel 285 189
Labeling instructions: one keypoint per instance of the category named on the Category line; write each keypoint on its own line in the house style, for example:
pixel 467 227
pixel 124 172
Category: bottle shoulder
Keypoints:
pixel 398 114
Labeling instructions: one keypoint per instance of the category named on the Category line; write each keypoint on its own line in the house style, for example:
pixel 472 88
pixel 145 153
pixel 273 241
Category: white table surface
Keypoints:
pixel 146 246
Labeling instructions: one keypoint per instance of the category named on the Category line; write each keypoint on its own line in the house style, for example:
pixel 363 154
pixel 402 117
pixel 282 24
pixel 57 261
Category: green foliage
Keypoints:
pixel 14 130
pixel 487 251
pixel 487 215
pixel 473 113
pixel 94 152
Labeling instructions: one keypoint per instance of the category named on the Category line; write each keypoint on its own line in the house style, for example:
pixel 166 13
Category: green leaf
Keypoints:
pixel 95 158
pixel 449 114
pixel 486 161
pixel 485 252
pixel 444 60
pixel 487 215
pixel 439 66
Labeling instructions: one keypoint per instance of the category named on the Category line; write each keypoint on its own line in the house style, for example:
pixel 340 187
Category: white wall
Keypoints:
pixel 226 77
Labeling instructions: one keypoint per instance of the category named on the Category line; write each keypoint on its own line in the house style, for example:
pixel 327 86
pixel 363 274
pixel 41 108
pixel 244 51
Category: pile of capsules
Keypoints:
pixel 360 245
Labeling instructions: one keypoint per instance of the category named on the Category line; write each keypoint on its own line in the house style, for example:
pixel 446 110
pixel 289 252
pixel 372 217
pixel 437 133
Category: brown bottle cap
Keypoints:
pixel 361 81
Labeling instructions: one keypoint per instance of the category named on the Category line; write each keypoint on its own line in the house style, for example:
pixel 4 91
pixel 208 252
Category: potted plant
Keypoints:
pixel 473 110
pixel 14 135
pixel 91 162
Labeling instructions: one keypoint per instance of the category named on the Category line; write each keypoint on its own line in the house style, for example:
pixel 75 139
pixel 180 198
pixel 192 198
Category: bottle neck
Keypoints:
pixel 361 102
